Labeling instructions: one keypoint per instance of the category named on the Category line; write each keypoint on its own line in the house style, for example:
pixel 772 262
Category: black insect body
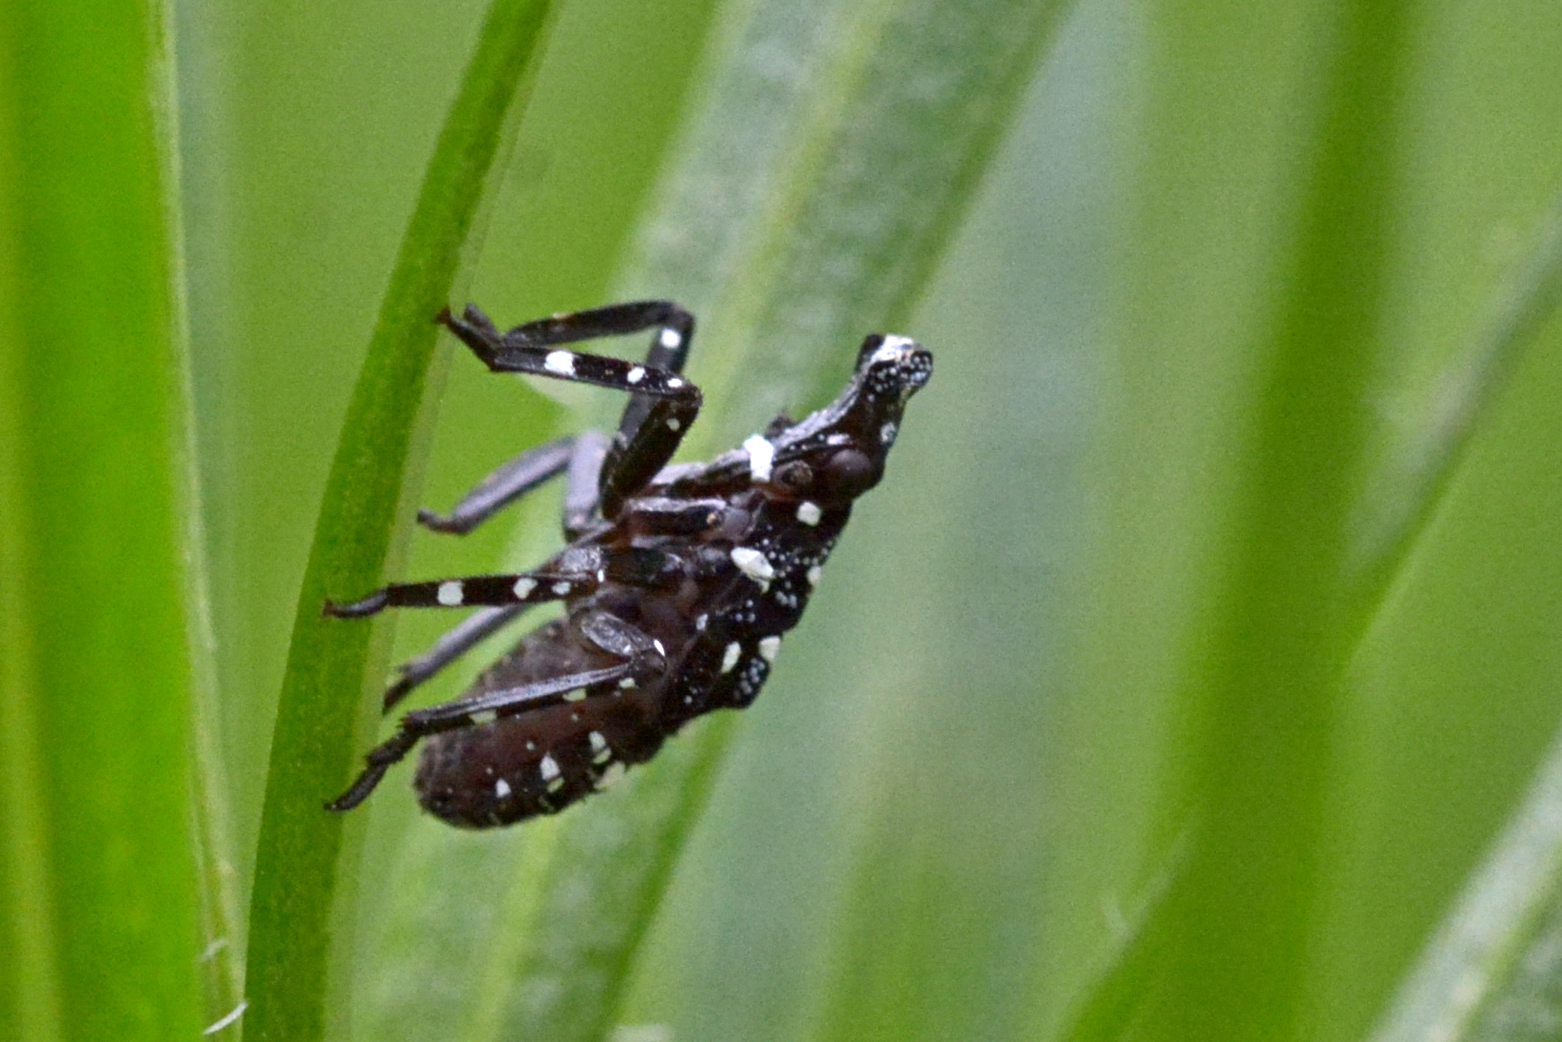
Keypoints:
pixel 679 581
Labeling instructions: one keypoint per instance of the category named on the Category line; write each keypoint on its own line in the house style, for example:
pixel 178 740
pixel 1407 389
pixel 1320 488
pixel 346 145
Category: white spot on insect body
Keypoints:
pixel 523 588
pixel 577 695
pixel 561 588
pixel 551 776
pixel 700 623
pixel 768 648
pixel 561 362
pixel 484 716
pixel 753 564
pixel 887 433
pixel 611 776
pixel 600 753
pixel 450 594
pixel 729 658
pixel 674 425
pixel 809 513
pixel 502 789
pixel 674 383
pixel 761 456
pixel 837 439
pixel 636 374
pixel 627 683
pixel 813 575
pixel 670 337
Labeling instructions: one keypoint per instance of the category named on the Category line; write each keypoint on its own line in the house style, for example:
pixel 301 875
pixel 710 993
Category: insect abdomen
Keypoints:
pixel 536 763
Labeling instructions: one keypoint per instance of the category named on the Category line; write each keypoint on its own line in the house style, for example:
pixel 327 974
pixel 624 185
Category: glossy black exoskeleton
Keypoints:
pixel 678 581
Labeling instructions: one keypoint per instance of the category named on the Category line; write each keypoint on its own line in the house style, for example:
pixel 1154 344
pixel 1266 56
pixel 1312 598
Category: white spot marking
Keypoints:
pixel 887 433
pixel 548 768
pixel 761 454
pixel 809 513
pixel 627 682
pixel 524 588
pixel 729 657
pixel 674 383
pixel 601 575
pixel 611 776
pixel 674 425
pixel 502 789
pixel 577 695
pixel 484 716
pixel 531 746
pixel 837 439
pixel 636 374
pixel 671 337
pixel 600 753
pixel 768 648
pixel 658 646
pixel 561 588
pixel 450 593
pixel 813 575
pixel 753 563
pixel 561 362
pixel 892 348
pixel 699 623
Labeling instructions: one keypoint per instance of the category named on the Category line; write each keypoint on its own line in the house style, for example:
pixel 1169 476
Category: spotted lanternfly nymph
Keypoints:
pixel 678 581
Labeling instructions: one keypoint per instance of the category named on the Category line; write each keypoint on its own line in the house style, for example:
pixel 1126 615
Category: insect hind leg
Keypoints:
pixel 641 656
pixel 456 642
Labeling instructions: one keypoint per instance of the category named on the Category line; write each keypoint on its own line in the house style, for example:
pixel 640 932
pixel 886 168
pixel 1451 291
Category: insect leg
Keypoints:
pixel 673 402
pixel 457 642
pixel 526 348
pixel 451 715
pixel 501 488
pixel 580 492
pixel 657 516
pixel 494 591
pixel 576 571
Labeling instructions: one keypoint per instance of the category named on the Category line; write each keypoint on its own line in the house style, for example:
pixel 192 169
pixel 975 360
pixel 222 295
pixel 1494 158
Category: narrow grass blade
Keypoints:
pixel 1126 987
pixel 98 904
pixel 1525 302
pixel 828 192
pixel 326 701
pixel 1491 971
pixel 1260 669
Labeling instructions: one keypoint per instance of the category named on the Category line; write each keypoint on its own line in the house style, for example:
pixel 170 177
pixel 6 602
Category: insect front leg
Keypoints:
pixel 664 404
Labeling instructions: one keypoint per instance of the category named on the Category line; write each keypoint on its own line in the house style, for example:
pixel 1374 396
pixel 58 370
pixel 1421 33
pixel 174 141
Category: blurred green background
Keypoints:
pixel 1011 715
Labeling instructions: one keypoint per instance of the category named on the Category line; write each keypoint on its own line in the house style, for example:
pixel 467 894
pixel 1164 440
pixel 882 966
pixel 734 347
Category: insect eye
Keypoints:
pixel 849 473
pixel 795 476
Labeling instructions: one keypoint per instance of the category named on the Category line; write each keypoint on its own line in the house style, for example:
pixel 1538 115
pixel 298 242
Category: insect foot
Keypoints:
pixel 677 582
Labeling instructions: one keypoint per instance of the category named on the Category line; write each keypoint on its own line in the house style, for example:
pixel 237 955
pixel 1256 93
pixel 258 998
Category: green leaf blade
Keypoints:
pixel 100 895
pixel 314 752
